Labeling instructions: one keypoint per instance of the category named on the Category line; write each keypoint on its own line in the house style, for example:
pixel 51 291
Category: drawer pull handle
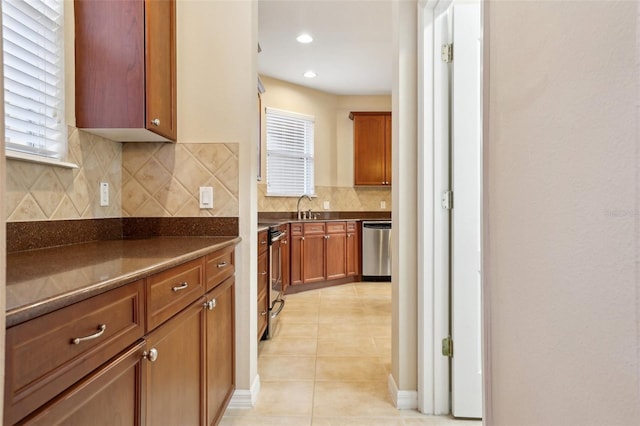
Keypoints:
pixel 263 273
pixel 211 304
pixel 182 286
pixel 101 329
pixel 263 313
pixel 222 264
pixel 151 355
pixel 263 242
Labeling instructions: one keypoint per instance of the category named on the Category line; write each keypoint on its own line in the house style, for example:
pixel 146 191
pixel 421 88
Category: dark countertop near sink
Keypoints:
pixel 41 281
pixel 323 216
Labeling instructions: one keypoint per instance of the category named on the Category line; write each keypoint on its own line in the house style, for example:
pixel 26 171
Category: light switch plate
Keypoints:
pixel 326 205
pixel 104 194
pixel 206 197
pixel 383 204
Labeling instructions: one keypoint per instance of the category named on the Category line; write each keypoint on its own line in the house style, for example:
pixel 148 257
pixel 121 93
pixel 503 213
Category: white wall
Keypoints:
pixel 217 102
pixel 404 200
pixel 561 227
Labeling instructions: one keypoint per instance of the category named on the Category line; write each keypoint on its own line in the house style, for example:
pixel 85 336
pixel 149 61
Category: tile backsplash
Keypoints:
pixel 345 199
pixel 145 180
pixel 40 192
pixel 163 180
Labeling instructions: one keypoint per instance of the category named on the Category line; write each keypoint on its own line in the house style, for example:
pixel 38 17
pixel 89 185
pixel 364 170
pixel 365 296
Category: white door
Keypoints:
pixel 466 373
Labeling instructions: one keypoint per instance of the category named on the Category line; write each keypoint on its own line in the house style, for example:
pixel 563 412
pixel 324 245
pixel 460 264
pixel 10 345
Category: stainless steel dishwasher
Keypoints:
pixel 376 250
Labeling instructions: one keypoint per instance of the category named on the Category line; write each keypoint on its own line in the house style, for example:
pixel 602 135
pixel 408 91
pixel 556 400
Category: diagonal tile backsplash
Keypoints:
pixel 145 180
pixel 42 192
pixel 163 180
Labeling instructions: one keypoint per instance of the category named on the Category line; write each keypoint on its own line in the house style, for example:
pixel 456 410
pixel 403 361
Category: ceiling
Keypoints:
pixel 351 51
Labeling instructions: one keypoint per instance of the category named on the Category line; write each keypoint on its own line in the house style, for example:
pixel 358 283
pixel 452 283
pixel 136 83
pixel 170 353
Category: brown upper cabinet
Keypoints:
pixel 125 54
pixel 372 148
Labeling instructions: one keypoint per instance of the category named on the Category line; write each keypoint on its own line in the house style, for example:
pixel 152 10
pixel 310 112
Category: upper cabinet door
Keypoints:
pixel 125 54
pixel 161 67
pixel 372 148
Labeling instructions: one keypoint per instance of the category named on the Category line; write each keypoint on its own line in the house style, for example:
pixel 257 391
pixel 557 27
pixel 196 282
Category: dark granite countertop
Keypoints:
pixel 41 281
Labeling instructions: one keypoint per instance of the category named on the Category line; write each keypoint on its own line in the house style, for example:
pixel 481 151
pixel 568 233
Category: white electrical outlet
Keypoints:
pixel 104 194
pixel 383 204
pixel 206 197
pixel 326 205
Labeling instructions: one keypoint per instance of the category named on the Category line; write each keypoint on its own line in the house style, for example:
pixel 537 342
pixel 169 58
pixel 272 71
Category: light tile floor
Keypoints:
pixel 329 363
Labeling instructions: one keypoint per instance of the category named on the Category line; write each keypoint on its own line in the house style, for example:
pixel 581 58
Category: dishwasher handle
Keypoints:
pixel 376 225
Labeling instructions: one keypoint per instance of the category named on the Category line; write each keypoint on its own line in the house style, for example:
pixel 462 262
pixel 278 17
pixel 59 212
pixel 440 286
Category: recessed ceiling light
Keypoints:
pixel 310 74
pixel 304 38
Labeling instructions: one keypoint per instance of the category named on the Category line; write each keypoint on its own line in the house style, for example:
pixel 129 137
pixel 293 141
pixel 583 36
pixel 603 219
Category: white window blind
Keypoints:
pixel 33 46
pixel 290 169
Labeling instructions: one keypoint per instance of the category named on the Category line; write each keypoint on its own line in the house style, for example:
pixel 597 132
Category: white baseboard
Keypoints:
pixel 403 400
pixel 245 399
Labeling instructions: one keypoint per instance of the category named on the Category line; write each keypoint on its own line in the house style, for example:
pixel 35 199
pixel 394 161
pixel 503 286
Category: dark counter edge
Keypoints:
pixel 22 236
pixel 25 313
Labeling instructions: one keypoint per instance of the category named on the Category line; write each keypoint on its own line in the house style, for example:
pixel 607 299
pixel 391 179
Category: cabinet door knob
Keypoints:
pixel 211 304
pixel 155 122
pixel 150 355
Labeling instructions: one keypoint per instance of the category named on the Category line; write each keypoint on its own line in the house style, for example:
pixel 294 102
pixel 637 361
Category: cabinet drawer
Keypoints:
pixel 50 353
pixel 336 227
pixel 296 229
pixel 171 291
pixel 262 241
pixel 110 395
pixel 314 228
pixel 352 227
pixel 219 266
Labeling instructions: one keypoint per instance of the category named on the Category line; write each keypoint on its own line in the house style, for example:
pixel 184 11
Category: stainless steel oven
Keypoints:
pixel 276 294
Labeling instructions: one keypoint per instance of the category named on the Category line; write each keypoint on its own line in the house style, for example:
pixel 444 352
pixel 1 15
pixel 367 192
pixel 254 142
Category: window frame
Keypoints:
pixel 276 150
pixel 49 145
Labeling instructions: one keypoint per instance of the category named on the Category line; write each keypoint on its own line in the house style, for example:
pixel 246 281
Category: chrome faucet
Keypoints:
pixel 298 206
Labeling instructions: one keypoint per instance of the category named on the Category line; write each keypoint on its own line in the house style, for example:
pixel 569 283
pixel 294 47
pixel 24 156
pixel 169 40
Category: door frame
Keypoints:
pixel 434 223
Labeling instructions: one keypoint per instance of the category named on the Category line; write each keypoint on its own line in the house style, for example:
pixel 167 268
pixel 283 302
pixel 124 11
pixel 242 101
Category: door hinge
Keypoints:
pixel 447 53
pixel 447 347
pixel 447 200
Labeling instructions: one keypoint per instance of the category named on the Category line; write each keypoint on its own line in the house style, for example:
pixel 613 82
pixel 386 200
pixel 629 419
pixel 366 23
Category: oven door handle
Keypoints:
pixel 279 236
pixel 276 313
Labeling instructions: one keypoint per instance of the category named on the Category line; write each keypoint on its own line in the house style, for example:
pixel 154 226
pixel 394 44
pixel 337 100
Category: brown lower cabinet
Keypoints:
pixel 174 367
pixel 180 372
pixel 110 396
pixel 323 251
pixel 220 344
pixel 353 249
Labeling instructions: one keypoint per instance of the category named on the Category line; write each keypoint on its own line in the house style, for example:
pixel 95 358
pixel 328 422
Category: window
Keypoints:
pixel 33 46
pixel 289 153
